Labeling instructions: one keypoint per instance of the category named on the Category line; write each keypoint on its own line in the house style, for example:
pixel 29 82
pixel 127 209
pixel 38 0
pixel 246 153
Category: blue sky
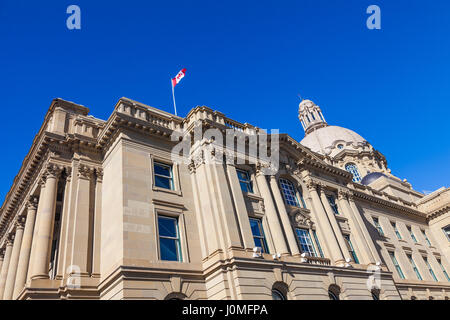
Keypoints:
pixel 248 59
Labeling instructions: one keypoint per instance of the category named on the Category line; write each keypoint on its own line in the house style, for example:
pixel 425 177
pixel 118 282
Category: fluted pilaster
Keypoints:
pixel 5 265
pixel 46 222
pixel 12 270
pixel 272 216
pixel 25 249
pixel 286 222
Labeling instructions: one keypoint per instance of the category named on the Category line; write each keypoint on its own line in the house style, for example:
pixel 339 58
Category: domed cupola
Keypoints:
pixel 310 116
pixel 346 149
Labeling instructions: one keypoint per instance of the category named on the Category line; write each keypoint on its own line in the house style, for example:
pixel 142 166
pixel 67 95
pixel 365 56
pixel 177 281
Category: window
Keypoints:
pixel 430 269
pixel 318 243
pixel 169 239
pixel 447 231
pixel 244 181
pixel 350 248
pixel 426 238
pixel 413 264
pixel 163 176
pixel 397 233
pixel 353 169
pixel 332 202
pixel 443 269
pixel 300 191
pixel 396 265
pixel 413 237
pixel 289 193
pixel 378 226
pixel 340 146
pixel 306 244
pixel 277 295
pixel 334 292
pixel 258 234
pixel 375 294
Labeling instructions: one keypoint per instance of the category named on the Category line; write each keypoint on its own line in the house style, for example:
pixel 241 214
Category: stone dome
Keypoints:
pixel 330 140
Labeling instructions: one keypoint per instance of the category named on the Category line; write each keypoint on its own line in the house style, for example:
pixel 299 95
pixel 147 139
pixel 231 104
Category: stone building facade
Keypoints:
pixel 101 210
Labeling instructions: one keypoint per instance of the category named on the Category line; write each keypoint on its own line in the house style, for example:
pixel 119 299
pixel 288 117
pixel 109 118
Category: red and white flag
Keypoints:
pixel 178 78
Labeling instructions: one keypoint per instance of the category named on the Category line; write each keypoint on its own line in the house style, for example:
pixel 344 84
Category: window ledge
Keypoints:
pixel 159 189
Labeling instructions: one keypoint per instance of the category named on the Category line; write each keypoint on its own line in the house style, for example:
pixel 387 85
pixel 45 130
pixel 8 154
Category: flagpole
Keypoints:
pixel 173 95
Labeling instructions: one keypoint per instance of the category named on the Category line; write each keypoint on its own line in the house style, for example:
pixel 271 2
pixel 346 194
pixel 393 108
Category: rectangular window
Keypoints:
pixel 350 248
pixel 413 264
pixel 396 265
pixel 163 176
pixel 305 242
pixel 378 226
pixel 413 237
pixel 332 202
pixel 430 269
pixel 289 192
pixel 397 233
pixel 244 181
pixel 318 244
pixel 258 234
pixel 169 239
pixel 443 269
pixel 426 238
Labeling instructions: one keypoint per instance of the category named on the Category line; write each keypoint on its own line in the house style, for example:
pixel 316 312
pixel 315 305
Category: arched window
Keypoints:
pixel 175 296
pixel 413 298
pixel 334 292
pixel 277 295
pixel 353 169
pixel 375 294
pixel 289 193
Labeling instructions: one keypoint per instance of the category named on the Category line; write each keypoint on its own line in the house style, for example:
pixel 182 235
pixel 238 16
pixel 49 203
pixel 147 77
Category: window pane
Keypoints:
pixel 167 227
pixel 353 169
pixel 162 182
pixel 168 249
pixel 289 192
pixel 254 224
pixel 306 245
pixel 163 170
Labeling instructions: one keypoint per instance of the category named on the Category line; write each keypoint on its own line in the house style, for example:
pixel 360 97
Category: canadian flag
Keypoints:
pixel 178 77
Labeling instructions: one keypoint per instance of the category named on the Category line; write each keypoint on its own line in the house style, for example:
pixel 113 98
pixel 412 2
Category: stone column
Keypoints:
pixel 334 225
pixel 324 224
pixel 364 250
pixel 272 216
pixel 97 223
pixel 46 223
pixel 241 209
pixel 364 230
pixel 36 227
pixel 5 266
pixel 81 235
pixel 11 277
pixel 25 249
pixel 292 241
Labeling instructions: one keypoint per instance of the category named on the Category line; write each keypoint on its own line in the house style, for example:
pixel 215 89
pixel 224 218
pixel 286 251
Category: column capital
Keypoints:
pixel 99 174
pixel 53 170
pixel 263 169
pixel 311 185
pixel 68 170
pixel 32 202
pixel 10 239
pixel 20 223
pixel 85 172
pixel 343 194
